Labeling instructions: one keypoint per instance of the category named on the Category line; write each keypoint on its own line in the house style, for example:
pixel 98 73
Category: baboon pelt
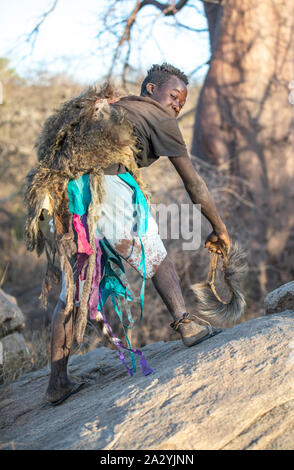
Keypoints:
pixel 85 135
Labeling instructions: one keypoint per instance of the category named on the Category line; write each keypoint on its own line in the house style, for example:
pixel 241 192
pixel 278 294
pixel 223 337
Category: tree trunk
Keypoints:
pixel 244 117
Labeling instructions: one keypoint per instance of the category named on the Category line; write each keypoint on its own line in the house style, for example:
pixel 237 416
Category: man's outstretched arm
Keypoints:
pixel 199 194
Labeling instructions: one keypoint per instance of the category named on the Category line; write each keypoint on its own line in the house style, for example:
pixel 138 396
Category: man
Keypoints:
pixel 153 117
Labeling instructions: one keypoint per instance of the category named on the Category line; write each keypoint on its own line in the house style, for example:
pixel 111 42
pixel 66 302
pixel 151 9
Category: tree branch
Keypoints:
pixel 198 68
pixel 167 9
pixel 181 25
pixel 33 34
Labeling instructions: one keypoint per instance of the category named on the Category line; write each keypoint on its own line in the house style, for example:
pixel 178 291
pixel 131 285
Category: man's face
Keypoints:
pixel 171 95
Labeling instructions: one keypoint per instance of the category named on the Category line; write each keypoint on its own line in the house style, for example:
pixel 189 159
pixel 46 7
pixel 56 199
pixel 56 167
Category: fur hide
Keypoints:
pixel 85 135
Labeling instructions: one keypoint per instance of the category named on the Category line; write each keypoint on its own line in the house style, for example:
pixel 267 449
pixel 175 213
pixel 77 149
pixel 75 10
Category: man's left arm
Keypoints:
pixel 199 194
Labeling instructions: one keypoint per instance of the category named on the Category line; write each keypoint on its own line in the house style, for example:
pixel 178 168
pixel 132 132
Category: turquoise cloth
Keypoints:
pixel 79 195
pixel 111 281
pixel 141 204
pixel 140 201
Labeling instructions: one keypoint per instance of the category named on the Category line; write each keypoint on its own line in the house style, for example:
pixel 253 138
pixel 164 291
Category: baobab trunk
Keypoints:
pixel 244 117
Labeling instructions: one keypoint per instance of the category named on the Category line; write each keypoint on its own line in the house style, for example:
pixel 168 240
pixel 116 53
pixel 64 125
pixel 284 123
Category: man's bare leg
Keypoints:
pixel 61 342
pixel 166 282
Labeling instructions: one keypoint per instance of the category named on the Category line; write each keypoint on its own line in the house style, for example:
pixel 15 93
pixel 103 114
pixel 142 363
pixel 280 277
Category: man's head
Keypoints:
pixel 167 85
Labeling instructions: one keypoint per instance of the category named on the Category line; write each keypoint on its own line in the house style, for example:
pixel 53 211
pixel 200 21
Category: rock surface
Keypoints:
pixel 280 299
pixel 233 391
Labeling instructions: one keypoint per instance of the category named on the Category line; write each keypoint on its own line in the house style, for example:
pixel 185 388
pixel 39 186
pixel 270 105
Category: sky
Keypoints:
pixel 67 40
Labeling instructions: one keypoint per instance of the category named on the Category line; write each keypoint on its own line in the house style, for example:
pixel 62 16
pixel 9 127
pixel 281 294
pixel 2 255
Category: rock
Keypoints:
pixel 9 297
pixel 233 391
pixel 14 345
pixel 13 355
pixel 280 299
pixel 11 317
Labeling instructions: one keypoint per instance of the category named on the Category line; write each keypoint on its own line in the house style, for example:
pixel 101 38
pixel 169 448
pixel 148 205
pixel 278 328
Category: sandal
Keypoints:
pixel 192 332
pixel 76 388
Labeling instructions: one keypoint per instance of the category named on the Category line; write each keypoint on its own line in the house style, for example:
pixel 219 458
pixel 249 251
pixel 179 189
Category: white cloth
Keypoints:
pixel 119 222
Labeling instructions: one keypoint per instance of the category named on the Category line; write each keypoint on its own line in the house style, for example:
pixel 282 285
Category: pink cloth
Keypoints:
pixel 83 244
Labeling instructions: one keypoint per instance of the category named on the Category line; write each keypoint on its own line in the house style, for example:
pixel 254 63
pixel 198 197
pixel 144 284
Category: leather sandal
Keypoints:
pixel 192 332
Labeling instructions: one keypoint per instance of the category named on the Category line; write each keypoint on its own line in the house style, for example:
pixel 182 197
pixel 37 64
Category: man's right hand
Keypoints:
pixel 218 239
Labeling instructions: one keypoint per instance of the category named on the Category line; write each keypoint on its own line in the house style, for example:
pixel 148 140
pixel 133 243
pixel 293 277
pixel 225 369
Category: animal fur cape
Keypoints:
pixel 85 135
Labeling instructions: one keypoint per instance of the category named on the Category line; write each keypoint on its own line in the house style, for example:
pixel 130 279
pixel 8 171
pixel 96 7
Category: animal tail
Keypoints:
pixel 210 304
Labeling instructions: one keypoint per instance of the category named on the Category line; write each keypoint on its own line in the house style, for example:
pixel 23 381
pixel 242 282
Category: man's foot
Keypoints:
pixel 60 394
pixel 192 332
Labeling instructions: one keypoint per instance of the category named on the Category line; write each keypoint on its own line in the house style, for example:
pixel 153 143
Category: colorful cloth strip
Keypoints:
pixel 109 279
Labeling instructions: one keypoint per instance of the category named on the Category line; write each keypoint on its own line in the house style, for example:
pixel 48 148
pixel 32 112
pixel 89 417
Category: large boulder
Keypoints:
pixel 13 348
pixel 280 299
pixel 14 345
pixel 11 317
pixel 233 391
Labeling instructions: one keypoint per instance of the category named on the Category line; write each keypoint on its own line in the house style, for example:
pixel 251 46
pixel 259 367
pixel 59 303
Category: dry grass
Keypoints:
pixel 36 357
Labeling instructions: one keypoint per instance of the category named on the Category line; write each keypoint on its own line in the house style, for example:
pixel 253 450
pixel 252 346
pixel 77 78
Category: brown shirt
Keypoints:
pixel 157 132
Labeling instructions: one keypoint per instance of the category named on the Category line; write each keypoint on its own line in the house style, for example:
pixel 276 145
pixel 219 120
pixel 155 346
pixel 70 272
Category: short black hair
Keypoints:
pixel 160 74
